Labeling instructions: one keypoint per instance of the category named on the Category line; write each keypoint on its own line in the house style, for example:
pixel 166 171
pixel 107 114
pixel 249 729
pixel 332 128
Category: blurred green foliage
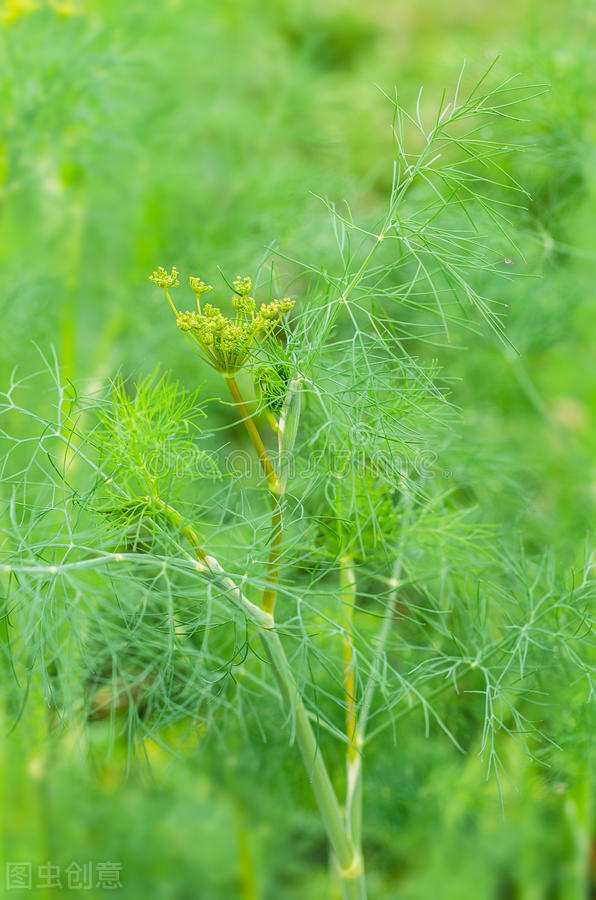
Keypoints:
pixel 196 134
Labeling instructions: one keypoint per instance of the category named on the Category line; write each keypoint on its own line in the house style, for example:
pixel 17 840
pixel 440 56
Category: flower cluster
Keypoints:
pixel 242 286
pixel 199 287
pixel 161 278
pixel 225 343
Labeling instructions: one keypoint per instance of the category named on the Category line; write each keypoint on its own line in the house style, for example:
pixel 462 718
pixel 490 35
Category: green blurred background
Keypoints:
pixel 191 133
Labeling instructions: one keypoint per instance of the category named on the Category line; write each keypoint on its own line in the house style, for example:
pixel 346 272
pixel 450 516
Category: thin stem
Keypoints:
pixel 170 301
pixel 276 540
pixel 203 355
pixel 253 434
pixel 347 597
pixel 209 567
pixel 248 879
pixel 177 520
pixel 273 422
pixel 274 562
pixel 481 659
pixel 386 622
pixel 173 516
pixel 356 726
pixel 353 750
pixel 359 274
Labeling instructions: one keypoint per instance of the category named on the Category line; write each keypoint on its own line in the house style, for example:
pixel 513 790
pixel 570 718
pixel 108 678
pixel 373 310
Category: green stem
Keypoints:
pixel 347 597
pixel 348 856
pixel 177 520
pixel 577 809
pixel 354 749
pixel 356 727
pixel 248 878
pixel 274 562
pixel 275 489
pixel 253 434
pixel 359 274
pixel 349 861
pixel 383 637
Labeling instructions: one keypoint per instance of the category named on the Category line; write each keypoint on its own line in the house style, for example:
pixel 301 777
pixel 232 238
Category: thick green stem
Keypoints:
pixel 347 854
pixel 349 861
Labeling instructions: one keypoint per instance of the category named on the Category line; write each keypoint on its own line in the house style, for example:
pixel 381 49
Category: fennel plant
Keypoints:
pixel 162 580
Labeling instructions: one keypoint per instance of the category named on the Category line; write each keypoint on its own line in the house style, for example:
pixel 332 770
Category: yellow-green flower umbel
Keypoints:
pixel 224 343
pixel 199 287
pixel 161 278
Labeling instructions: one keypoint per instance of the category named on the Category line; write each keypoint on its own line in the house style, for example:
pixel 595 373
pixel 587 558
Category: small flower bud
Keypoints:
pixel 242 285
pixel 186 321
pixel 199 287
pixel 244 304
pixel 161 278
